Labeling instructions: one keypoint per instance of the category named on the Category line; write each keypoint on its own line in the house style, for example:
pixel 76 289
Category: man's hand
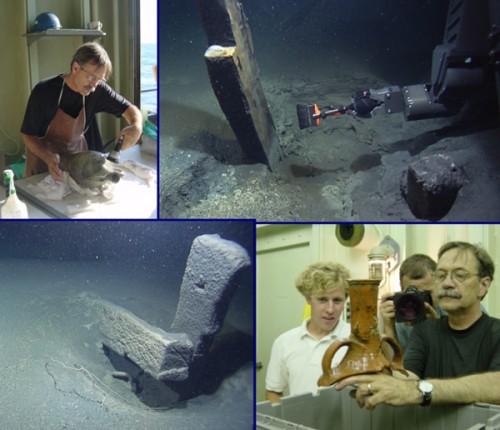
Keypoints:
pixel 273 396
pixel 378 388
pixel 53 161
pixel 34 145
pixel 430 312
pixel 132 134
pixel 388 314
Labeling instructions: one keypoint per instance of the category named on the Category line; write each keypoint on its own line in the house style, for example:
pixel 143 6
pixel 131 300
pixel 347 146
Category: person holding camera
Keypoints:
pixel 451 360
pixel 296 355
pixel 416 275
pixel 401 311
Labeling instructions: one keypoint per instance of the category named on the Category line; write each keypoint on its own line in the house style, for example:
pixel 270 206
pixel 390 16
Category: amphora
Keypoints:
pixel 364 354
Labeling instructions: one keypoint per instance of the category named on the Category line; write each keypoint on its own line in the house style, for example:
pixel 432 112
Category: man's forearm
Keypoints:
pixel 273 396
pixel 133 132
pixel 483 388
pixel 374 389
pixel 34 145
pixel 133 116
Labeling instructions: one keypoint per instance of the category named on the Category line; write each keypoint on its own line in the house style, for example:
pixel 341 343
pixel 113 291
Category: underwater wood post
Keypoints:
pixel 234 75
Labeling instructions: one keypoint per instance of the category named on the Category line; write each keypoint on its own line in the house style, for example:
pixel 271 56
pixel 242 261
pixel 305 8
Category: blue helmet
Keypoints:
pixel 46 21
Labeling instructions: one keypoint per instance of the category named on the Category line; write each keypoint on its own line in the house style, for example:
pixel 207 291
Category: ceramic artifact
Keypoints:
pixel 365 344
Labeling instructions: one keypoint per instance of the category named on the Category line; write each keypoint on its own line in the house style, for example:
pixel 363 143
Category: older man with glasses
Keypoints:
pixel 416 271
pixel 454 359
pixel 60 116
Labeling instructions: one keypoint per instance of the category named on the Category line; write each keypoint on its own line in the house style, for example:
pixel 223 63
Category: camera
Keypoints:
pixel 410 304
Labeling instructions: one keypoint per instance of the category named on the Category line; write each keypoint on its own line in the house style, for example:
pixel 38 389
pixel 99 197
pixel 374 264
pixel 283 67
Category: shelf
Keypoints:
pixel 88 35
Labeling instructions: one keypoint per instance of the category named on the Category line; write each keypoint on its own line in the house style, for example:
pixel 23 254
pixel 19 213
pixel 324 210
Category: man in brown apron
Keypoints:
pixel 61 108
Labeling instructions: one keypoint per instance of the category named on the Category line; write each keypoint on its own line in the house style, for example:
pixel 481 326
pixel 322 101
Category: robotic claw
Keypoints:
pixel 465 67
pixel 362 105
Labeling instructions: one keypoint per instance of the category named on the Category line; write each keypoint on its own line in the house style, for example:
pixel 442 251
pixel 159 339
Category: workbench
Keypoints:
pixel 132 196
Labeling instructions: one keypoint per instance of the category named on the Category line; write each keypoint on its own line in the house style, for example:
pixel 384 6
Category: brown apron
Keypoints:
pixel 64 135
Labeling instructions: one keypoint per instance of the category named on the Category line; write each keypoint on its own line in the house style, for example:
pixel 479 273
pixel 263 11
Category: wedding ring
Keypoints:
pixel 370 389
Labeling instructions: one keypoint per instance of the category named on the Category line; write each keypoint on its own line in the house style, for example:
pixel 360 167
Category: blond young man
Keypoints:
pixel 296 354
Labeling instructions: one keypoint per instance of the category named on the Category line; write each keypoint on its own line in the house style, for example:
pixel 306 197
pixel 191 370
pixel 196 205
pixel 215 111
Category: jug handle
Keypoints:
pixel 326 363
pixel 398 353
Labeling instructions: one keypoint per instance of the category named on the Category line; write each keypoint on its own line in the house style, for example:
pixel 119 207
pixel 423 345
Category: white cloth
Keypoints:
pixel 50 189
pixel 107 189
pixel 141 171
pixel 296 358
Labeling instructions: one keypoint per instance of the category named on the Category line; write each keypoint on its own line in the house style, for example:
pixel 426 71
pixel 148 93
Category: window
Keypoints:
pixel 148 57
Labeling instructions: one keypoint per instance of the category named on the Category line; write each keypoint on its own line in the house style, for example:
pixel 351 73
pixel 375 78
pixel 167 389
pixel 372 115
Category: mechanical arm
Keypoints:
pixel 465 66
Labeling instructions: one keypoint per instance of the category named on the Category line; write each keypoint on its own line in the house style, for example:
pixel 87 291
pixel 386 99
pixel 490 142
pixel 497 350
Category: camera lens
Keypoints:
pixel 410 308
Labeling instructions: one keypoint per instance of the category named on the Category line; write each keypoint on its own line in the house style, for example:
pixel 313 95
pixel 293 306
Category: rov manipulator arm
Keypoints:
pixel 465 67
pixel 362 105
pixel 415 101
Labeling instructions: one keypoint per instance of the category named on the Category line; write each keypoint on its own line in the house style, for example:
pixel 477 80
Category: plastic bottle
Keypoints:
pixel 13 207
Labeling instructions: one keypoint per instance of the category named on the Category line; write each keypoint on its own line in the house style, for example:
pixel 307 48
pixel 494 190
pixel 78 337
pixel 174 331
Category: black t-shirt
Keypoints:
pixel 437 351
pixel 43 104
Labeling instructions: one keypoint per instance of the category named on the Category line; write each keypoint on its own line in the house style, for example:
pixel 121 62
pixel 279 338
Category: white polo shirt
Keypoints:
pixel 296 358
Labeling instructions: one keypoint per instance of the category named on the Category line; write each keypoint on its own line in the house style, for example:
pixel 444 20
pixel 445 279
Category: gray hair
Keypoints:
pixel 93 53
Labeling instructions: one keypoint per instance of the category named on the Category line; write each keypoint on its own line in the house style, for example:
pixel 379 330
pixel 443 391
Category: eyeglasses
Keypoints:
pixel 458 275
pixel 93 78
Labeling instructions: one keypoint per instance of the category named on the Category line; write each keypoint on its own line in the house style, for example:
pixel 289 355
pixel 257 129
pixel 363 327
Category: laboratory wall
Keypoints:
pixel 26 61
pixel 14 77
pixel 284 250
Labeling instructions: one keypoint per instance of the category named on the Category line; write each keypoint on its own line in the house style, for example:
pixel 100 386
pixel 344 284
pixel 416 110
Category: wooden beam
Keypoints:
pixel 234 75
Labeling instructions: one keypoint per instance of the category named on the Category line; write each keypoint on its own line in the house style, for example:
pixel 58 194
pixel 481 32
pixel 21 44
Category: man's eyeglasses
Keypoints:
pixel 93 78
pixel 458 275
